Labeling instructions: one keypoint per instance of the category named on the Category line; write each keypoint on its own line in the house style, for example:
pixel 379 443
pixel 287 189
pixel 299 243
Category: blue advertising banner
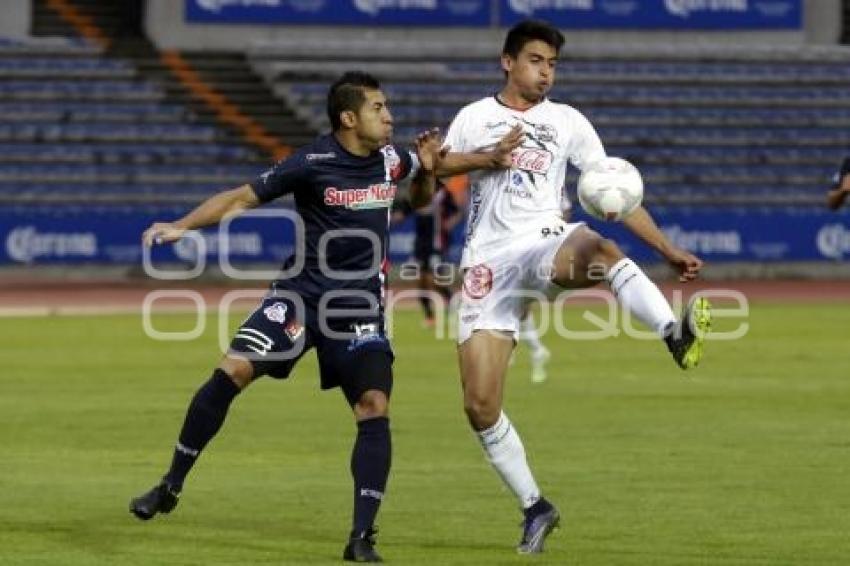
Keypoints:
pixel 714 234
pixel 108 235
pixel 743 234
pixel 657 14
pixel 341 12
pixel 41 236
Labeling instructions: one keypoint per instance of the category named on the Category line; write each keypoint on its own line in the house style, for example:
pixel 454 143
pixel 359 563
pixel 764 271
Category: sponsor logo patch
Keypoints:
pixel 533 160
pixel 366 333
pixel 320 156
pixel 373 493
pixel 373 196
pixel 294 330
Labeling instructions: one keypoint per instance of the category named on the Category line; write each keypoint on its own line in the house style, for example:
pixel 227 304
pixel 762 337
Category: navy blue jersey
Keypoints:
pixel 845 170
pixel 336 190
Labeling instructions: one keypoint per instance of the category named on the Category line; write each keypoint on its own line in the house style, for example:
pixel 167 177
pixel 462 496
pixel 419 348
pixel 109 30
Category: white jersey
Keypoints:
pixel 514 203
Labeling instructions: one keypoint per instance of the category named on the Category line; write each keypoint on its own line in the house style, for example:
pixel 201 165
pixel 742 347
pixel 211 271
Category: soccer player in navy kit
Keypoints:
pixel 840 187
pixel 344 181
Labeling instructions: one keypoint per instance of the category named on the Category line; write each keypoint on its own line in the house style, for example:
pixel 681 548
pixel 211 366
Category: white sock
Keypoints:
pixel 528 334
pixel 640 296
pixel 507 455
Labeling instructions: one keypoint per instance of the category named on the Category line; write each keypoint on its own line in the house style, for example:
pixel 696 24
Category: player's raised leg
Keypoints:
pixel 483 365
pixel 585 258
pixel 204 417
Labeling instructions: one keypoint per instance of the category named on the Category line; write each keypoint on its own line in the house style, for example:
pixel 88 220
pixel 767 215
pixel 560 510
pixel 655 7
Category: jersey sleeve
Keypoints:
pixel 456 135
pixel 283 178
pixel 586 146
pixel 409 163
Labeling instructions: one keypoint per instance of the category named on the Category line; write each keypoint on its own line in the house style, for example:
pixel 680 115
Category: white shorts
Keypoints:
pixel 496 292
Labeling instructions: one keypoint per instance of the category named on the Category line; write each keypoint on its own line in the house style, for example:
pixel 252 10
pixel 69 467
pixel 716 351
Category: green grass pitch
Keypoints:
pixel 744 461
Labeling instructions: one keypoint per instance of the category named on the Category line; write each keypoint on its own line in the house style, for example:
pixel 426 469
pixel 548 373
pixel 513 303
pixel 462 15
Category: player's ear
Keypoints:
pixel 348 119
pixel 507 62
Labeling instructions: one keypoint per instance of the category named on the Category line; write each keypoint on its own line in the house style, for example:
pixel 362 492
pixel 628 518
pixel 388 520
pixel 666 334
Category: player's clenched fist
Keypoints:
pixel 161 233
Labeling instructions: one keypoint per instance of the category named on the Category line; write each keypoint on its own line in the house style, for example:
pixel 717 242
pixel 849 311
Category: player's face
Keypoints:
pixel 532 73
pixel 374 121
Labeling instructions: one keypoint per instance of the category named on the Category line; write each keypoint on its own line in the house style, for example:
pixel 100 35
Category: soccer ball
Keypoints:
pixel 610 189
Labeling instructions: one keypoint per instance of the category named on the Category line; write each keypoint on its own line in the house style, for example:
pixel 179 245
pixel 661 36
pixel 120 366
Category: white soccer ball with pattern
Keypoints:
pixel 610 189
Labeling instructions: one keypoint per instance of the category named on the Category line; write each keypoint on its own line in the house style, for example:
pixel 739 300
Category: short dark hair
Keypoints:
pixel 346 94
pixel 530 30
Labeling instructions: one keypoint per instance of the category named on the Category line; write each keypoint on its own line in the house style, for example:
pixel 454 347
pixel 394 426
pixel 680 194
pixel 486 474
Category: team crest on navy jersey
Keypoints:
pixel 392 163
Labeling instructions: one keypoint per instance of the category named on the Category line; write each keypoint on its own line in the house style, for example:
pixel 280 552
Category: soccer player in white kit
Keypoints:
pixel 516 146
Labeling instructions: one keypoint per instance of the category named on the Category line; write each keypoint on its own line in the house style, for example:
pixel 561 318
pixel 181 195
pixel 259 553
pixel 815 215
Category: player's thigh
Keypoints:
pixel 578 262
pixel 272 340
pixel 358 363
pixel 483 360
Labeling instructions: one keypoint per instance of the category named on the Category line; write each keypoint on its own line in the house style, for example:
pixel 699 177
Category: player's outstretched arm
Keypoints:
pixel 209 212
pixel 499 157
pixel 430 154
pixel 641 224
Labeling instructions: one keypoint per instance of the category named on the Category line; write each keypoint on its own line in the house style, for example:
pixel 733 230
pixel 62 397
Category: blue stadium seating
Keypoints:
pixel 722 128
pixel 141 153
pixel 79 126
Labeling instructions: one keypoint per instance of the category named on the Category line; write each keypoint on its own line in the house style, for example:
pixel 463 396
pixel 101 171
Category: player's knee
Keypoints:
pixel 607 252
pixel 372 404
pixel 481 410
pixel 240 370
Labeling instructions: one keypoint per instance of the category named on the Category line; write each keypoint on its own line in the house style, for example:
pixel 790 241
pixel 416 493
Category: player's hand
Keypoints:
pixel 429 149
pixel 687 264
pixel 503 152
pixel 161 233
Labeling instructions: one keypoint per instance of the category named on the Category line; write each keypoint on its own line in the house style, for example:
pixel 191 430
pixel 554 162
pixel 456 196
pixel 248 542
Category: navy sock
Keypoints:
pixel 203 420
pixel 370 466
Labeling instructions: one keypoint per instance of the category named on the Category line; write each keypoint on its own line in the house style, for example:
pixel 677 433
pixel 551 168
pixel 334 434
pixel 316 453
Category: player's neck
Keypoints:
pixel 511 98
pixel 352 144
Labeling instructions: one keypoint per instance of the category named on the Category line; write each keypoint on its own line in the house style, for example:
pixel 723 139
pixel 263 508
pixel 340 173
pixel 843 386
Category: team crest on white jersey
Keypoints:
pixel 545 133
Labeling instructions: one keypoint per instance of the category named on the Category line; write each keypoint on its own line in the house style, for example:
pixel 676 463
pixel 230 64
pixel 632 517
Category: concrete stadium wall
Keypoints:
pixel 15 18
pixel 166 26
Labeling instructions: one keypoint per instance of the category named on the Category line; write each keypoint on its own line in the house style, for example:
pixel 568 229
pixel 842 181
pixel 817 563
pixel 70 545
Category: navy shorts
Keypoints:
pixel 354 353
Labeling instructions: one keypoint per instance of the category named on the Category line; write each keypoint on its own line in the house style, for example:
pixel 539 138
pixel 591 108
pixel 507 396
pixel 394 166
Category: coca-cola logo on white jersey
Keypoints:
pixel 533 160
